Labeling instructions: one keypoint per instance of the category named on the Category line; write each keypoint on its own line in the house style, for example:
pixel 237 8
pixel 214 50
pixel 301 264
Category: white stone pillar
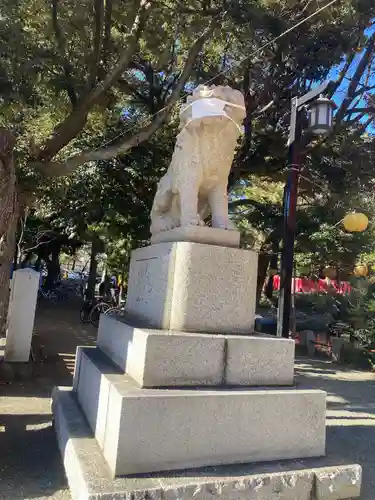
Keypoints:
pixel 337 345
pixel 307 338
pixel 22 304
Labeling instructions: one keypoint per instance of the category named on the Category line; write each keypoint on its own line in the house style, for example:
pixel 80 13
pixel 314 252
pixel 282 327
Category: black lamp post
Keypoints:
pixel 319 122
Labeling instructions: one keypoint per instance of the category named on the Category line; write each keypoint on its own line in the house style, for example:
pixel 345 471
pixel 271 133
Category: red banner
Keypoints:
pixel 306 285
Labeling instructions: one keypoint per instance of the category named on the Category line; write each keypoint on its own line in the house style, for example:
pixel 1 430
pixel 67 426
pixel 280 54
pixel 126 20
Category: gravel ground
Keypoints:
pixel 30 464
pixel 350 414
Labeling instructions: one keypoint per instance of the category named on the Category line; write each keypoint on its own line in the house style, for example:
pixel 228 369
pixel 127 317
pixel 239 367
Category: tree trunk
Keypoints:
pixel 268 290
pixel 95 249
pixel 263 262
pixel 53 269
pixel 8 221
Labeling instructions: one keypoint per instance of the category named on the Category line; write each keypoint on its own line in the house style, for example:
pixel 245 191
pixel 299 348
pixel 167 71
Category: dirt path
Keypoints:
pixel 30 464
pixel 350 415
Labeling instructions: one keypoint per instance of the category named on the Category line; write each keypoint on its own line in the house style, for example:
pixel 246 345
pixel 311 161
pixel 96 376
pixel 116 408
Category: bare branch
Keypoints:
pixel 355 120
pixel 97 38
pixel 265 108
pixel 39 245
pixel 364 126
pixel 360 69
pixel 61 46
pixel 363 89
pixel 23 226
pixel 57 169
pixel 360 110
pixel 126 87
pixel 75 122
pixel 342 73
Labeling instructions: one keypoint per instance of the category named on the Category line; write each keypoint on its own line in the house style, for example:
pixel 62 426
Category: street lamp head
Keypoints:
pixel 321 116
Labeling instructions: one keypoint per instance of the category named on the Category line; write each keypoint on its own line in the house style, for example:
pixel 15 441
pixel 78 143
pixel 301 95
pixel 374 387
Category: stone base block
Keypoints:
pixel 146 430
pixel 90 478
pixel 157 358
pixel 259 360
pixel 199 234
pixel 13 371
pixel 194 288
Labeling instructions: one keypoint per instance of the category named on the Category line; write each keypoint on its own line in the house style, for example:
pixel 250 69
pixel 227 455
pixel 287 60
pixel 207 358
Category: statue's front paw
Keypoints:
pixel 224 224
pixel 193 220
pixel 231 226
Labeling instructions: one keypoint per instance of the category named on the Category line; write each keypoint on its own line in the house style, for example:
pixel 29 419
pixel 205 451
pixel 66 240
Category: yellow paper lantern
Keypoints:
pixel 361 270
pixel 330 272
pixel 355 222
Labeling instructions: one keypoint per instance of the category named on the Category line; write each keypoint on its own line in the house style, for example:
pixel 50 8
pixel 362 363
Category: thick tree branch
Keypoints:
pixel 66 168
pixel 126 87
pixel 61 46
pixel 123 63
pixel 170 85
pixel 107 30
pixel 75 122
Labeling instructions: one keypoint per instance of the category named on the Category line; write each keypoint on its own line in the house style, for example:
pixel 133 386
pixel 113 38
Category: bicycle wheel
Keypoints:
pixel 52 297
pixel 113 309
pixel 99 309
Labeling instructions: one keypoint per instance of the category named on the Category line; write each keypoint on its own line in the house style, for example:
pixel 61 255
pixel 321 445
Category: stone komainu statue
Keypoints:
pixel 197 178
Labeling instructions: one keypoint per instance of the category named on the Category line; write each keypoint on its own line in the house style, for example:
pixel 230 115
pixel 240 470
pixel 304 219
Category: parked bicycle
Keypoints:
pixel 47 295
pixel 92 309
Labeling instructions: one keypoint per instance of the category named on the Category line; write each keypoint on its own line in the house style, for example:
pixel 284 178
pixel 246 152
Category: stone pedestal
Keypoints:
pixel 22 304
pixel 193 287
pixel 181 382
pixel 199 234
pixel 150 430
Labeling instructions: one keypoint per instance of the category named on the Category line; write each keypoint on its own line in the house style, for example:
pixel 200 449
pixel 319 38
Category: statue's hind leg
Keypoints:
pixel 218 200
pixel 164 214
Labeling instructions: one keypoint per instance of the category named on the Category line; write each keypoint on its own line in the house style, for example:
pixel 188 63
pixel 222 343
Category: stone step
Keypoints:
pixel 157 358
pixel 90 478
pixel 148 430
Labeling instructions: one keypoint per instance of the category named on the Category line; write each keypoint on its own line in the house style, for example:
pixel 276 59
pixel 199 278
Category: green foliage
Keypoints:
pixel 358 357
pixel 51 61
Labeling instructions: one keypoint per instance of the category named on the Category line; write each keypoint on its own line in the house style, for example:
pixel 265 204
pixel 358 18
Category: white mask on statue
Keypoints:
pixel 207 107
pixel 211 106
